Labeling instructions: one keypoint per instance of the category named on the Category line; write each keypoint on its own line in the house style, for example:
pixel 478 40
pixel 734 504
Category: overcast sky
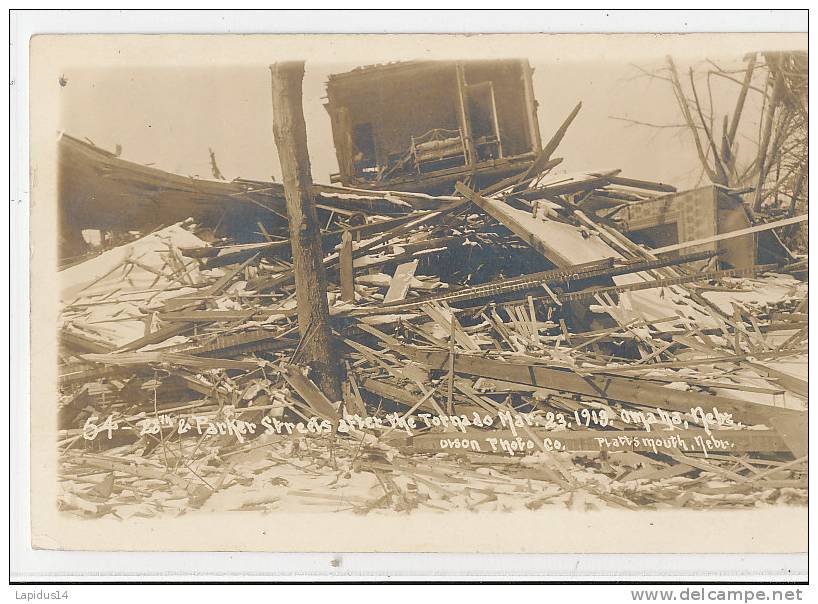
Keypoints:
pixel 169 116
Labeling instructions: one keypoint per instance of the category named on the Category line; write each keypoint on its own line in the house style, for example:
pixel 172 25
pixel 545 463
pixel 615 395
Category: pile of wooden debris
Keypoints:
pixel 503 349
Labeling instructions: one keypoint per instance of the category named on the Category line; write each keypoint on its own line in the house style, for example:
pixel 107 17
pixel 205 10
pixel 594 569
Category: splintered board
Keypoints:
pixel 401 281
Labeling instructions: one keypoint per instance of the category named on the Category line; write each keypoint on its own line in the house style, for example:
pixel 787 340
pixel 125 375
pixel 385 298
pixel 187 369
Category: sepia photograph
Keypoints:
pixel 495 293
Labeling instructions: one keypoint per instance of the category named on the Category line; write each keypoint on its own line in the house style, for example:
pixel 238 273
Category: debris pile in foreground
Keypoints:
pixel 504 349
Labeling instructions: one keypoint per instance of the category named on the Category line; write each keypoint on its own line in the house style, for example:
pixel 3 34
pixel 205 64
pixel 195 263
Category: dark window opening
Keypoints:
pixel 363 141
pixel 660 235
pixel 482 111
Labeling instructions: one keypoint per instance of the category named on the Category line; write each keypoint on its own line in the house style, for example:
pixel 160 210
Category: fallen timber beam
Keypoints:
pixel 543 157
pixel 734 358
pixel 599 385
pixel 211 316
pixel 399 395
pixel 411 252
pixel 562 276
pixel 791 382
pixel 639 184
pixel 237 253
pixel 81 343
pixel 618 289
pixel 408 226
pixel 794 432
pixel 131 469
pixel 309 391
pixel 256 340
pixel 519 178
pixel 538 234
pixel 731 234
pixel 92 373
pixel 568 187
pixel 619 195
pixel 553 300
pixel 269 284
pixel 162 334
pixel 139 359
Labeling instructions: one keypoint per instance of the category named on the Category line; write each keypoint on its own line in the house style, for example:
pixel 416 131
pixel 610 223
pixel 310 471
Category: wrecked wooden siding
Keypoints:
pixel 697 214
pixel 423 125
pixel 98 190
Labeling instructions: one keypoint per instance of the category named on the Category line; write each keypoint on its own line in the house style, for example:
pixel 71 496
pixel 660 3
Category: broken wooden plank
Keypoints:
pixel 347 274
pixel 639 184
pixel 794 432
pixel 560 243
pixel 174 304
pixel 632 390
pixel 401 280
pixel 731 234
pixel 450 325
pixel 170 358
pixel 307 390
pixel 545 154
pixel 568 186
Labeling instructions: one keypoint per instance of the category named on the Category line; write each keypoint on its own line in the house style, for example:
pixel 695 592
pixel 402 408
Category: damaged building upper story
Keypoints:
pixel 424 125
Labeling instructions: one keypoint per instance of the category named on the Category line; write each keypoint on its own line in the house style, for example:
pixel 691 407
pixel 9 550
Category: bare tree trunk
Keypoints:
pixel 290 133
pixel 764 144
pixel 745 86
pixel 688 117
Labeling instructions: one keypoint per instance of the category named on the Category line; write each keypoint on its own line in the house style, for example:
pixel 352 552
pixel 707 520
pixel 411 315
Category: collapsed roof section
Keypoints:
pixel 100 190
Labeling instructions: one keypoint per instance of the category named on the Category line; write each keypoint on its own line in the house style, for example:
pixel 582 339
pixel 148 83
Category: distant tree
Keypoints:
pixel 775 174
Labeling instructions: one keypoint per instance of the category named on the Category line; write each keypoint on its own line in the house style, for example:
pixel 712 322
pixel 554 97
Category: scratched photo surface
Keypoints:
pixel 508 293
